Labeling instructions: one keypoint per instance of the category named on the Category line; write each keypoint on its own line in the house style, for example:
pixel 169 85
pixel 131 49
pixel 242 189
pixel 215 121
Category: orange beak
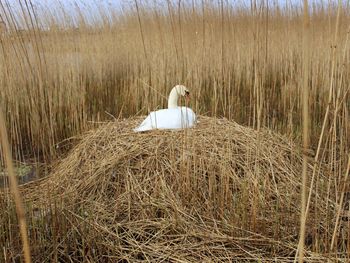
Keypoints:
pixel 187 97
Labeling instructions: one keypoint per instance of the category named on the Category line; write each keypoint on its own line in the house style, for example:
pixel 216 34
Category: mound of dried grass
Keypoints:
pixel 216 192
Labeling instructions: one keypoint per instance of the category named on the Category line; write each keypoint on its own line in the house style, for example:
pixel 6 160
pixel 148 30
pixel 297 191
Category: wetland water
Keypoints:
pixel 25 173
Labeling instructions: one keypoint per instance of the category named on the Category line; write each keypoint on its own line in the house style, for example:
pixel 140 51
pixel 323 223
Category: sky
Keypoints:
pixel 43 8
pixel 91 8
pixel 118 4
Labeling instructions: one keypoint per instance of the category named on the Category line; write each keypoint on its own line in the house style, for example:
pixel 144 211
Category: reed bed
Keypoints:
pixel 196 195
pixel 220 191
pixel 241 63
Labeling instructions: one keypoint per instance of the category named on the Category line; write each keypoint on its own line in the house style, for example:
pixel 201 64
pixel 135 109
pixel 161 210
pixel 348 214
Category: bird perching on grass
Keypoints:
pixel 174 117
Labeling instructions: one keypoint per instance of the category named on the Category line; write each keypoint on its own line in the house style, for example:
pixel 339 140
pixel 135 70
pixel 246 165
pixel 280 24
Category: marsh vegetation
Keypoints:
pixel 62 75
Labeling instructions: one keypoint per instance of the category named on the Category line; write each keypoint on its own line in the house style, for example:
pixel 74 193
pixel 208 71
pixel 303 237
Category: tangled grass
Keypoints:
pixel 217 192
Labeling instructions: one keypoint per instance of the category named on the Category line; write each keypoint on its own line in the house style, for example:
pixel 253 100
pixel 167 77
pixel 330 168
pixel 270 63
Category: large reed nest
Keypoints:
pixel 217 192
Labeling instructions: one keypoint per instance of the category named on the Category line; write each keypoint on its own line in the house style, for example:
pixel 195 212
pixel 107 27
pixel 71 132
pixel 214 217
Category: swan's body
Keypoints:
pixel 172 118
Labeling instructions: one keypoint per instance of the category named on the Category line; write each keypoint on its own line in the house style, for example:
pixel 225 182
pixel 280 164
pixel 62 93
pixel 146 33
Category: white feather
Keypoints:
pixel 172 118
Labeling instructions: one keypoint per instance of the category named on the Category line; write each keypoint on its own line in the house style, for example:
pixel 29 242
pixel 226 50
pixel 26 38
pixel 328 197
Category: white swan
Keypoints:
pixel 172 118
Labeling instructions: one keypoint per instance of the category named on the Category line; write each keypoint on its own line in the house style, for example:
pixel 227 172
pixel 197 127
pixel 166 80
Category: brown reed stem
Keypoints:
pixel 305 117
pixel 14 189
pixel 330 95
pixel 340 205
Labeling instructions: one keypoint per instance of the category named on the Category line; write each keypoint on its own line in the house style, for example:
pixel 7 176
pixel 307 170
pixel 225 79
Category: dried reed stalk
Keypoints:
pixel 14 189
pixel 182 191
pixel 305 116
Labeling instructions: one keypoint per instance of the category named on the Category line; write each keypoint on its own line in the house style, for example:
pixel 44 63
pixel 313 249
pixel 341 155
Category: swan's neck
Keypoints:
pixel 173 98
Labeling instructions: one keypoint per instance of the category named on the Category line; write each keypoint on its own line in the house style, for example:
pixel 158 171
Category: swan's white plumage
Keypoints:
pixel 172 118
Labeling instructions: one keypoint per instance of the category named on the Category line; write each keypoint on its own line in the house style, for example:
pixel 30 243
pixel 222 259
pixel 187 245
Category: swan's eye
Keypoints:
pixel 187 92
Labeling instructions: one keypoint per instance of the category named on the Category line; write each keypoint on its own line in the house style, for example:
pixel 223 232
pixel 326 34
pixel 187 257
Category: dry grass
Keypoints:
pixel 242 63
pixel 192 195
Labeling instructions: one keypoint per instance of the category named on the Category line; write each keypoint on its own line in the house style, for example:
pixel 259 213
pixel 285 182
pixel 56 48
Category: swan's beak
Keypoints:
pixel 187 96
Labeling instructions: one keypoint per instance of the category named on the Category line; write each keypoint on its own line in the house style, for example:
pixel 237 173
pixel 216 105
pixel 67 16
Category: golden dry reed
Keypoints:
pixel 241 62
pixel 187 196
pixel 62 73
pixel 305 117
pixel 14 189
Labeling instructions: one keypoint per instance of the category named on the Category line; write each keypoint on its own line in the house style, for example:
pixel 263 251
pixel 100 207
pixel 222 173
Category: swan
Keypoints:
pixel 174 117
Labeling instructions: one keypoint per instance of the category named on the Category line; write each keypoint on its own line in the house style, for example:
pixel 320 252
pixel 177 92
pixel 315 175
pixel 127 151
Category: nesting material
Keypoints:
pixel 215 192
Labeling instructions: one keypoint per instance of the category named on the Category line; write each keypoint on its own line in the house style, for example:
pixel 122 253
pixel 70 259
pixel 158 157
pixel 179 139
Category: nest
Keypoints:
pixel 217 192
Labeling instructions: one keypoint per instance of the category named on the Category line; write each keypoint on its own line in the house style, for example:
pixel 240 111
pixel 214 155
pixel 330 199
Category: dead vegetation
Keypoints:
pixel 241 63
pixel 212 193
pixel 217 192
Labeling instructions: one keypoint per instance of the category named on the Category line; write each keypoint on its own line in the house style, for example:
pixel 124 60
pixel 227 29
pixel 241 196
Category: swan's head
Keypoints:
pixel 182 90
pixel 178 90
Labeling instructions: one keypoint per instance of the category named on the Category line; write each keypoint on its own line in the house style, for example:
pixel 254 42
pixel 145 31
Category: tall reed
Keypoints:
pixel 255 64
pixel 14 189
pixel 305 119
pixel 57 82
